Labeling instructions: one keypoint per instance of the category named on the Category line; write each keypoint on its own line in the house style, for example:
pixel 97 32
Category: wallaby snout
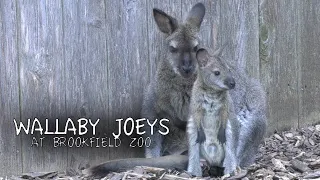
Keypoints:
pixel 188 65
pixel 229 82
pixel 187 69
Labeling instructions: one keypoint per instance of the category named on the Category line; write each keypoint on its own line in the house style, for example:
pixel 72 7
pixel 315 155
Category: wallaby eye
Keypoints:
pixel 173 49
pixel 195 49
pixel 217 73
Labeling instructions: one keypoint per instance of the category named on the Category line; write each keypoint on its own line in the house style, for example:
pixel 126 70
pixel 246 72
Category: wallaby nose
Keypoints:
pixel 187 69
pixel 230 82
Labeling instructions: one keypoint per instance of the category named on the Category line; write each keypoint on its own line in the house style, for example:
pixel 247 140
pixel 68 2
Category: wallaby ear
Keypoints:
pixel 202 57
pixel 196 15
pixel 219 51
pixel 165 23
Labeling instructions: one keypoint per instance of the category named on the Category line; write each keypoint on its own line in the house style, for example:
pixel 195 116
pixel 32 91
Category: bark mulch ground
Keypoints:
pixel 287 155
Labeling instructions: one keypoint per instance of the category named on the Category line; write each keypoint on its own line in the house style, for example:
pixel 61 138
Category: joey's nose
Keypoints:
pixel 230 82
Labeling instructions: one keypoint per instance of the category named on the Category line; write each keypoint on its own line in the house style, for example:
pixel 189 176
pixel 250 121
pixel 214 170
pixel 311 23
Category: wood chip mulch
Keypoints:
pixel 287 155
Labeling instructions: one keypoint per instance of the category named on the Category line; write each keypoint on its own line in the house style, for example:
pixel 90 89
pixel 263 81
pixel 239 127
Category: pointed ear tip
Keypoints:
pixel 155 10
pixel 200 6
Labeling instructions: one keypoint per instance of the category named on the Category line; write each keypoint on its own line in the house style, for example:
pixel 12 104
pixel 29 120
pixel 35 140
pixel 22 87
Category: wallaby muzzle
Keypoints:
pixel 229 82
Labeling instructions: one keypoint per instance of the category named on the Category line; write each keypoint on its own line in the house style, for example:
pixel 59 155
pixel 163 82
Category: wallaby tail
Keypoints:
pixel 168 162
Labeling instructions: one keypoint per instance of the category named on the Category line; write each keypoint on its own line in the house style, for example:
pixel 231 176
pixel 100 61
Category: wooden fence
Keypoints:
pixel 93 59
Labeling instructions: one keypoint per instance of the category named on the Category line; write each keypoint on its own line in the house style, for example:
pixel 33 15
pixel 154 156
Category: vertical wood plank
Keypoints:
pixel 10 144
pixel 128 63
pixel 42 80
pixel 239 28
pixel 279 64
pixel 86 73
pixel 308 55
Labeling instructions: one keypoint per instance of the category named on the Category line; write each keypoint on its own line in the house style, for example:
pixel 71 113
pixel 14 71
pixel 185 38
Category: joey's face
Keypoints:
pixel 214 72
pixel 182 48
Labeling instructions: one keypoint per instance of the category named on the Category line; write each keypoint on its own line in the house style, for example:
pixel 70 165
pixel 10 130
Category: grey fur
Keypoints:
pixel 245 135
pixel 168 95
pixel 210 109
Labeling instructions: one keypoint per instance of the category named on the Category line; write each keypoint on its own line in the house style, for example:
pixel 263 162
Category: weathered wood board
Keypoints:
pixel 279 63
pixel 10 144
pixel 85 50
pixel 239 30
pixel 308 53
pixel 42 79
pixel 128 64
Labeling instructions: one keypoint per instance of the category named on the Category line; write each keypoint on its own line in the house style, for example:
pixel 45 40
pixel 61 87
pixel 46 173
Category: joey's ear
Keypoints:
pixel 165 23
pixel 196 15
pixel 202 57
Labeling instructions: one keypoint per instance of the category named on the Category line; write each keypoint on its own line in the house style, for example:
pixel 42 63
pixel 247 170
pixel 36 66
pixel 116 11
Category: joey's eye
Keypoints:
pixel 173 49
pixel 195 49
pixel 217 73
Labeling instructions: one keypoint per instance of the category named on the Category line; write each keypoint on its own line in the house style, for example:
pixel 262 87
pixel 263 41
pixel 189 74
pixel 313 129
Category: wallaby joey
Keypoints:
pixel 168 95
pixel 210 109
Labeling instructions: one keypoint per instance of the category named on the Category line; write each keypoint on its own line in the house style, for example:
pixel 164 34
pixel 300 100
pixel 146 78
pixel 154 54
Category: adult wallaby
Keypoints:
pixel 245 135
pixel 168 95
pixel 210 109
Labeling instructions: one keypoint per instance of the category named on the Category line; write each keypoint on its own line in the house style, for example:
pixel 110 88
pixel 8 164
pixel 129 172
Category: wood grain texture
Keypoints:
pixel 239 29
pixel 86 61
pixel 42 80
pixel 308 53
pixel 279 63
pixel 10 144
pixel 127 42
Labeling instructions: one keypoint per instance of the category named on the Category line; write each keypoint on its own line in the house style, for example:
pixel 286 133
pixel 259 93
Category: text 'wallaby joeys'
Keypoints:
pixel 210 109
pixel 168 95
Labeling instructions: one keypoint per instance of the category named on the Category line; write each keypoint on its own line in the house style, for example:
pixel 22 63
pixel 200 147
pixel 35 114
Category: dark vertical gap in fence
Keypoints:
pixel 63 28
pixel 107 117
pixel 18 19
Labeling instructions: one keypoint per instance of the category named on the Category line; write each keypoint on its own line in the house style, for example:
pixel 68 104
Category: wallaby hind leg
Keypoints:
pixel 155 148
pixel 194 166
pixel 148 112
pixel 251 134
pixel 231 162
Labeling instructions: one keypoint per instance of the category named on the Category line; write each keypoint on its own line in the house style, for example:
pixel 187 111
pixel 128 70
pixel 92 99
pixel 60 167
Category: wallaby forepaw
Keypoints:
pixel 225 176
pixel 238 173
pixel 201 136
